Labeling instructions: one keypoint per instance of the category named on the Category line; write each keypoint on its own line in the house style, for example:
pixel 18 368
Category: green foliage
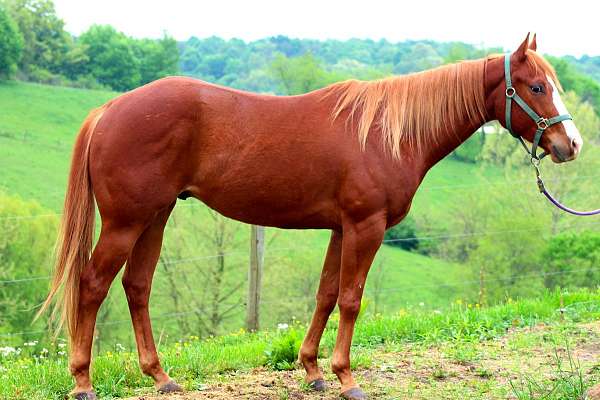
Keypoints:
pixel 572 260
pixel 45 41
pixel 157 58
pixel 112 58
pixel 123 63
pixel 248 65
pixel 11 44
pixel 586 87
pixel 283 351
pixel 471 149
pixel 403 235
pixel 25 252
pixel 300 74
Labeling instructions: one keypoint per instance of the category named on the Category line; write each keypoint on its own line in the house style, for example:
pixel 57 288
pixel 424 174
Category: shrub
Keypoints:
pixel 403 235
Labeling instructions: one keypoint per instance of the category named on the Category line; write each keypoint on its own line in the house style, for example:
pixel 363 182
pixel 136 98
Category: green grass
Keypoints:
pixel 462 332
pixel 38 124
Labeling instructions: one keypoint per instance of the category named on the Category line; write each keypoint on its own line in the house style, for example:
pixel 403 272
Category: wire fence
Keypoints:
pixel 299 246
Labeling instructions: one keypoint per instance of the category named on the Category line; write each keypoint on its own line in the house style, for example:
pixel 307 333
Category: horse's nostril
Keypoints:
pixel 576 145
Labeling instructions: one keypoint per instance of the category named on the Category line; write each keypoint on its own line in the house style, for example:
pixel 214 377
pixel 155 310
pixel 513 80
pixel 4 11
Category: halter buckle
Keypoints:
pixel 510 92
pixel 542 124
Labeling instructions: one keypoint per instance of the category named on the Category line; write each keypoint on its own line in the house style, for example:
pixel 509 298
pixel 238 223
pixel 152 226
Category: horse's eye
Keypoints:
pixel 537 89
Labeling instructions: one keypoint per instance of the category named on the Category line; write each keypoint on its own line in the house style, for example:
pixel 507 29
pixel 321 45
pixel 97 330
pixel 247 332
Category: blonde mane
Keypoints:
pixel 417 108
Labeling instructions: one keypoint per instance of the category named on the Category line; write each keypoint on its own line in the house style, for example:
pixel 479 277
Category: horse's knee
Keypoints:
pixel 326 302
pixel 349 306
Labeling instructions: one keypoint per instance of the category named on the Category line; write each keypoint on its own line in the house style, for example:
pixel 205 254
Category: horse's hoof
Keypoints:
pixel 355 393
pixel 318 385
pixel 170 387
pixel 85 396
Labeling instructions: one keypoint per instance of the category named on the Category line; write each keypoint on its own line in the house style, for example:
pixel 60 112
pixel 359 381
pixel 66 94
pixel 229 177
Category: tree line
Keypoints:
pixel 34 46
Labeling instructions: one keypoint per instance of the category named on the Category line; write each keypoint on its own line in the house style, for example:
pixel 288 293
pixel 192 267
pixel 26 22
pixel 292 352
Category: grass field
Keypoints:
pixel 465 352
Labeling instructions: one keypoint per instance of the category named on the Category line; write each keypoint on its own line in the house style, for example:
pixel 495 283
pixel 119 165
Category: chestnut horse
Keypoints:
pixel 347 158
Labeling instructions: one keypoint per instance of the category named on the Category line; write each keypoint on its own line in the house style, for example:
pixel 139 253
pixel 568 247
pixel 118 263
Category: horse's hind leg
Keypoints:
pixel 109 255
pixel 326 300
pixel 137 282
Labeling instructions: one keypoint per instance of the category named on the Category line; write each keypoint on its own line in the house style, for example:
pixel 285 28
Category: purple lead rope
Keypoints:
pixel 565 208
pixel 536 164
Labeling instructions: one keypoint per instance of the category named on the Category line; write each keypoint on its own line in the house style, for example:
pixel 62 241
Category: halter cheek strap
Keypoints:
pixel 541 122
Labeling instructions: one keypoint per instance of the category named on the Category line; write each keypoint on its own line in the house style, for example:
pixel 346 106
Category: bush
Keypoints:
pixel 403 235
pixel 572 260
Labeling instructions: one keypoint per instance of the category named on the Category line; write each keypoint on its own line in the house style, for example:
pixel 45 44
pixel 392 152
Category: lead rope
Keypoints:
pixel 536 164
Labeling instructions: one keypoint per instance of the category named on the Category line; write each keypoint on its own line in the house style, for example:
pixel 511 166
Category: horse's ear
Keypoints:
pixel 521 52
pixel 533 44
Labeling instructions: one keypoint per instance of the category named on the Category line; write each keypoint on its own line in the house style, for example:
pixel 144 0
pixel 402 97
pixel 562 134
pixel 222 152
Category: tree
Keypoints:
pixel 157 58
pixel 45 40
pixel 11 44
pixel 300 74
pixel 111 57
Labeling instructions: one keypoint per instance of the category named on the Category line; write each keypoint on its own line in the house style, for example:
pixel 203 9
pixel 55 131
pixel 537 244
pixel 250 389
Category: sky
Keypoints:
pixel 563 27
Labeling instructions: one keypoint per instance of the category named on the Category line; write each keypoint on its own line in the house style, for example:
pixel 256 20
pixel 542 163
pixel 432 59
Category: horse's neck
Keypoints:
pixel 450 140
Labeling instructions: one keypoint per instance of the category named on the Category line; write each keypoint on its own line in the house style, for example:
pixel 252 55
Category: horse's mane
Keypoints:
pixel 418 108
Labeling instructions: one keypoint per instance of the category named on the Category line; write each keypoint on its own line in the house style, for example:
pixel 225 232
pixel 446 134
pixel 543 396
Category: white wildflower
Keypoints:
pixel 282 327
pixel 7 351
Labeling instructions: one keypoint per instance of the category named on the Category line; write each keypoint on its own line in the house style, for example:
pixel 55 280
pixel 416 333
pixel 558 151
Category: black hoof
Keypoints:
pixel 85 396
pixel 354 394
pixel 318 385
pixel 170 387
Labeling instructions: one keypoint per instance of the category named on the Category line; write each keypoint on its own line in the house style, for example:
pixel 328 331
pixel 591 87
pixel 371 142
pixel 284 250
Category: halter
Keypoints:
pixel 541 122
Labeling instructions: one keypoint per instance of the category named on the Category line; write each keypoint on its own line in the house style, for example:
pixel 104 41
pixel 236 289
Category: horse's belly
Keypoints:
pixel 271 202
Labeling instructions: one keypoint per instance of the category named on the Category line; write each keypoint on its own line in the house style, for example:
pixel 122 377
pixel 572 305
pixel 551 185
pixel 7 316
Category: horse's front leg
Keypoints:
pixel 361 240
pixel 326 301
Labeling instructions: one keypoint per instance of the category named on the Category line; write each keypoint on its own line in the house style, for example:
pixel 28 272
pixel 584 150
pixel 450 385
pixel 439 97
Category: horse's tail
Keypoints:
pixel 76 235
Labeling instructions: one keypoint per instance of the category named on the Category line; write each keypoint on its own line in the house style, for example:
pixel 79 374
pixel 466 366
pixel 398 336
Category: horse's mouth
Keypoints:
pixel 559 155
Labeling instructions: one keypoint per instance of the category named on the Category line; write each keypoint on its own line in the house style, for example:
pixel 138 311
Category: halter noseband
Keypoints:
pixel 541 122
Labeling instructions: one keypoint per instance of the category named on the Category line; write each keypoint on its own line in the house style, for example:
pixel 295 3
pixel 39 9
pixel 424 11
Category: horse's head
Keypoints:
pixel 532 84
